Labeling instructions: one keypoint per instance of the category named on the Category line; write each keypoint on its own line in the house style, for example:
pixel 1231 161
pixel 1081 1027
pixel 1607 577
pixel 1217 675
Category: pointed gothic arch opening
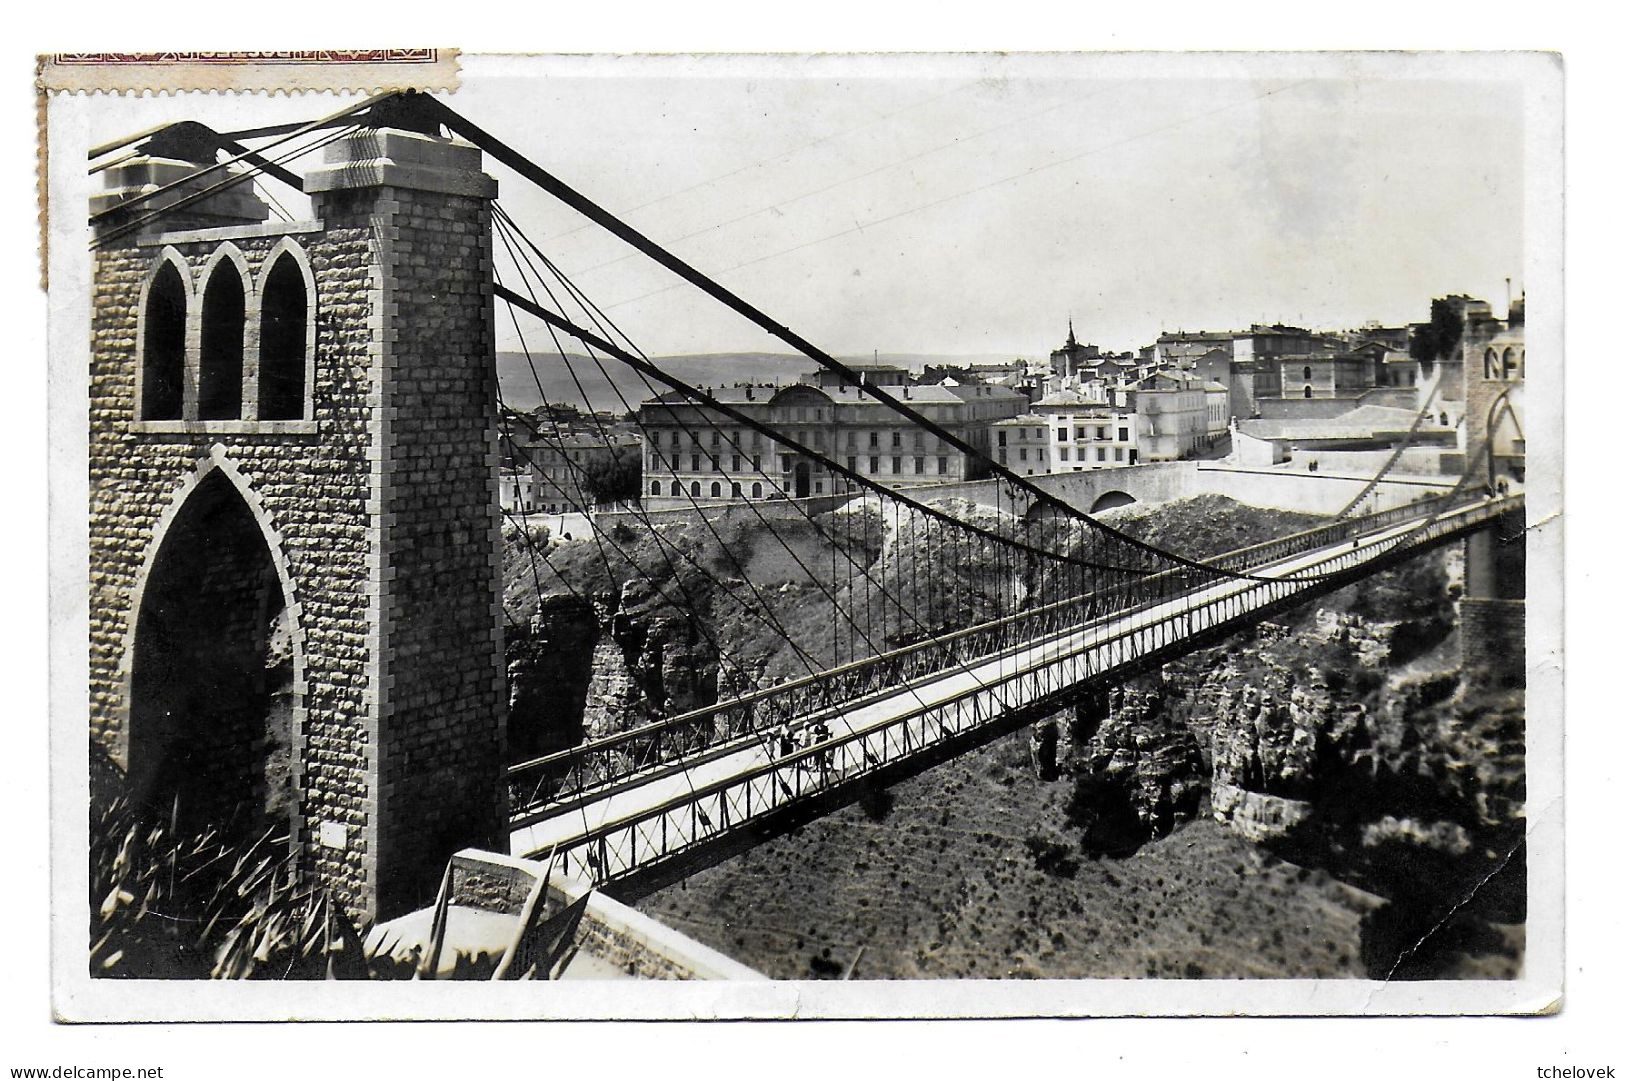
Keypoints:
pixel 213 659
pixel 220 362
pixel 163 344
pixel 286 336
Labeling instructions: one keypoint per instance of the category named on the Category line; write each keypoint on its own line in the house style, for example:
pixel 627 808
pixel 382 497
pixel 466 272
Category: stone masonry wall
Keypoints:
pixel 380 514
pixel 445 698
pixel 309 491
pixel 1492 637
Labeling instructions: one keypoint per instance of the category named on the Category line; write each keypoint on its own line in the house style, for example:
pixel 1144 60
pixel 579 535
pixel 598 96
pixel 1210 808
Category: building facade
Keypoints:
pixel 1099 438
pixel 1345 373
pixel 554 475
pixel 693 451
pixel 1172 411
pixel 1022 444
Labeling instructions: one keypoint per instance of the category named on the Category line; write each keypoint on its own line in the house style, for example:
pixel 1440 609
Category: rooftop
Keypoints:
pixel 945 393
pixel 1362 422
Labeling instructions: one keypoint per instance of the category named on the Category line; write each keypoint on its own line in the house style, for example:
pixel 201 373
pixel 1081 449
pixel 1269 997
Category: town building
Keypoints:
pixel 1365 428
pixel 552 472
pixel 875 374
pixel 1340 373
pixel 1089 435
pixel 694 451
pixel 1022 444
pixel 1171 408
pixel 1398 369
pixel 1248 363
pixel 1216 402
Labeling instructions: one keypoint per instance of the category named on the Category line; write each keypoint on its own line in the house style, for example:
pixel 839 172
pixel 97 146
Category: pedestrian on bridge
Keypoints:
pixel 820 734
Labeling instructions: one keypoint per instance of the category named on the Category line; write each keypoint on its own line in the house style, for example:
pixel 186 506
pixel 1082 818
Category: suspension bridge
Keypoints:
pixel 654 800
pixel 933 627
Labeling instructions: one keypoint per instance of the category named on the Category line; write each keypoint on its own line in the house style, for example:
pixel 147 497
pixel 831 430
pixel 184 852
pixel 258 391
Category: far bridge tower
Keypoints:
pixel 1494 369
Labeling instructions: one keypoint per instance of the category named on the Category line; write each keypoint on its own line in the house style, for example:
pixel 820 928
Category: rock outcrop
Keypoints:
pixel 1352 742
pixel 1145 751
pixel 550 662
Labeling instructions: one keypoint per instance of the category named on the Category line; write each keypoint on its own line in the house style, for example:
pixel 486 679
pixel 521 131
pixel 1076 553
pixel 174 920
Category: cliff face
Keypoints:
pixel 550 662
pixel 1144 755
pixel 581 670
pixel 652 662
pixel 1351 744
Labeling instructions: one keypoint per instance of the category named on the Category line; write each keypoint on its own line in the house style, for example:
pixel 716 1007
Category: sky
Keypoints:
pixel 972 205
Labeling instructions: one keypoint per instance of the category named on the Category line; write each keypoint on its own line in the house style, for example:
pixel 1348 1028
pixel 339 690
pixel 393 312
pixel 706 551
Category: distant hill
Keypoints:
pixel 520 391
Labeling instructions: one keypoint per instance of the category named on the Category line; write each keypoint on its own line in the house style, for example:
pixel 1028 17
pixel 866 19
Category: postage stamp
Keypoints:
pixel 365 70
pixel 960 535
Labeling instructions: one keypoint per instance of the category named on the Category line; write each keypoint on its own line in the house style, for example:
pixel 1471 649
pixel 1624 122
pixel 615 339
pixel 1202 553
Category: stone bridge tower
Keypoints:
pixel 294 561
pixel 1492 603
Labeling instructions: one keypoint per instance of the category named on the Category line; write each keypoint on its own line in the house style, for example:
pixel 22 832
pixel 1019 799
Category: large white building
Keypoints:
pixel 696 451
pixel 1089 434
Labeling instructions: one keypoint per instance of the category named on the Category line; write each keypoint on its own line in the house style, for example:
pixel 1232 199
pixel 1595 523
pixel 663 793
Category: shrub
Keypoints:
pixel 168 903
pixel 877 804
pixel 1051 857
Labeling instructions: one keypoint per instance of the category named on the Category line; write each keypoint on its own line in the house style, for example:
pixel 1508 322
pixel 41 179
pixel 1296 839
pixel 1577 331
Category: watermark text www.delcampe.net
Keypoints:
pixel 90 1073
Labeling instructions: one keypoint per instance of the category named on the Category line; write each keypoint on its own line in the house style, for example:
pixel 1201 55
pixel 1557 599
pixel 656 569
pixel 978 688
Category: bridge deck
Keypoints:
pixel 643 821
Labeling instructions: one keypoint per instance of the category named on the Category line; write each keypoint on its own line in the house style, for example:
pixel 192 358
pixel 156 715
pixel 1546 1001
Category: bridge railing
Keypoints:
pixel 575 773
pixel 674 826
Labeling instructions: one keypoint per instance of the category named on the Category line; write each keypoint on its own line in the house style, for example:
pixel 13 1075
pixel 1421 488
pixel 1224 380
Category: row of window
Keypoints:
pixel 1083 454
pixel 1022 451
pixel 711 463
pixel 716 489
pixel 872 439
pixel 1101 432
pixel 919 462
pixel 1064 454
pixel 280 306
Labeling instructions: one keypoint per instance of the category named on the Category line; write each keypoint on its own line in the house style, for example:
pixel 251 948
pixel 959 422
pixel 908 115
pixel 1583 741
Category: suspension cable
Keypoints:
pixel 591 308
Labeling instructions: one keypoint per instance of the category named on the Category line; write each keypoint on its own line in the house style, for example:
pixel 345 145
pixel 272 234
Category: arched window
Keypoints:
pixel 716 489
pixel 1509 364
pixel 1492 370
pixel 1308 374
pixel 736 489
pixel 1308 391
pixel 285 311
pixel 756 490
pixel 654 487
pixel 694 488
pixel 220 373
pixel 1444 419
pixel 163 351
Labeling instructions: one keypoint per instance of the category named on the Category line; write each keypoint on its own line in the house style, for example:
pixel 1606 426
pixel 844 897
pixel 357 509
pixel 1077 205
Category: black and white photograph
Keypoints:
pixel 818 535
